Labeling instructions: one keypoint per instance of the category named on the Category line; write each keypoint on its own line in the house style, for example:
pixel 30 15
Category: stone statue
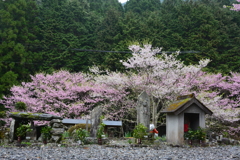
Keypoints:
pixel 143 109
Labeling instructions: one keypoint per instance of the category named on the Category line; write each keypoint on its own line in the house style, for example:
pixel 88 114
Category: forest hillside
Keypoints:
pixel 41 35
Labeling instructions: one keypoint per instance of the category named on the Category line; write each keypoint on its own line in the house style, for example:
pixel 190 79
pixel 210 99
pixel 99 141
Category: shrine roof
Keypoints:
pixel 177 104
pixel 184 102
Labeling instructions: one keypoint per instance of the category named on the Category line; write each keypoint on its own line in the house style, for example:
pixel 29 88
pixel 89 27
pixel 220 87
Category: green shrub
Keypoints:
pixel 128 134
pixel 139 131
pixel 22 130
pixel 130 141
pixel 21 106
pixel 77 126
pixel 65 135
pixel 199 134
pixel 46 132
pixel 81 135
pixel 100 130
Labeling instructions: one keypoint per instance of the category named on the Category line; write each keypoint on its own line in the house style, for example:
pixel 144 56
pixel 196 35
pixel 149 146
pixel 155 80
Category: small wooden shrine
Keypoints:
pixel 186 109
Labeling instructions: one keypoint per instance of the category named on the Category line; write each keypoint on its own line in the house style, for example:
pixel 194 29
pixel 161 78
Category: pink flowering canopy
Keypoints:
pixel 236 7
pixel 163 77
pixel 220 94
pixel 65 94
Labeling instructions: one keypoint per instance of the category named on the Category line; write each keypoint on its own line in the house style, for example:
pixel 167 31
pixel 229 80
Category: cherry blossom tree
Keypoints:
pixel 70 95
pixel 222 95
pixel 236 7
pixel 163 77
pixel 116 81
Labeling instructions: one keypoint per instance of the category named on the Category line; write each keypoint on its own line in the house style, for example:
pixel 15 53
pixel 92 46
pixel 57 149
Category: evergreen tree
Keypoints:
pixel 66 25
pixel 18 43
pixel 197 26
pixel 102 6
pixel 142 6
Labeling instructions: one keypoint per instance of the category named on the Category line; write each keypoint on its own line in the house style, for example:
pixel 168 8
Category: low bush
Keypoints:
pixel 199 134
pixel 81 135
pixel 77 126
pixel 140 131
pixel 46 132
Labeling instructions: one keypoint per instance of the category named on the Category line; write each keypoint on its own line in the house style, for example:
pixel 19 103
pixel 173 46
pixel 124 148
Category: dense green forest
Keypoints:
pixel 40 35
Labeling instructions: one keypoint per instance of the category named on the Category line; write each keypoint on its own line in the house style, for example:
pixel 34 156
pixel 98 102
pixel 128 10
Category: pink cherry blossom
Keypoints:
pixel 236 7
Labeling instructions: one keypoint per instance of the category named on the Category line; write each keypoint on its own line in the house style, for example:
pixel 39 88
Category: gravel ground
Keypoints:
pixel 94 152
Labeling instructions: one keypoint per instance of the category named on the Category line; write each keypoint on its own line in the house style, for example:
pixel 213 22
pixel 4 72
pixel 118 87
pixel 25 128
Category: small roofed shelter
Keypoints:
pixel 113 128
pixel 72 122
pixel 186 109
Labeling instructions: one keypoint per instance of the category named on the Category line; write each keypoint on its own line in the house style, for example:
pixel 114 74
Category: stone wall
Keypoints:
pixel 57 130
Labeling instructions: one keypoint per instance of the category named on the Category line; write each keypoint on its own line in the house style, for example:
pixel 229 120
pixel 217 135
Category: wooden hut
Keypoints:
pixel 186 109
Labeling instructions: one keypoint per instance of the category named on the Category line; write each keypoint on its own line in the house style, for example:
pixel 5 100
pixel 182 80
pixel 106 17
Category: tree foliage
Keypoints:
pixel 39 37
pixel 164 77
pixel 18 32
pixel 69 95
pixel 46 32
pixel 236 7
